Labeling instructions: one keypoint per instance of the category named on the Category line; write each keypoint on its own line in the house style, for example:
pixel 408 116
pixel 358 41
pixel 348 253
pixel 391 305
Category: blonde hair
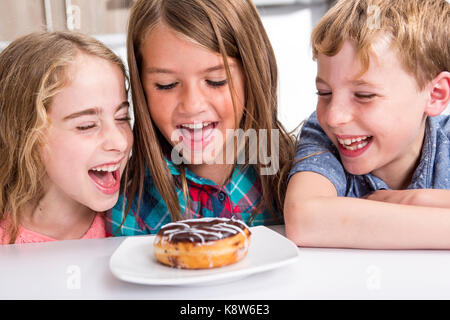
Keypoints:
pixel 419 29
pixel 32 70
pixel 233 29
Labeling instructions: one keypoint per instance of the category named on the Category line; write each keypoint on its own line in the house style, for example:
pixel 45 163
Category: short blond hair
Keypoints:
pixel 418 29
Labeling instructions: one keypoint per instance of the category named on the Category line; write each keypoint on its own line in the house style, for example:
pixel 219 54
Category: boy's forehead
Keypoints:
pixel 382 44
pixel 346 64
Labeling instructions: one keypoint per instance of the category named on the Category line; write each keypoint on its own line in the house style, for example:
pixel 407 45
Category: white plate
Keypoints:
pixel 134 261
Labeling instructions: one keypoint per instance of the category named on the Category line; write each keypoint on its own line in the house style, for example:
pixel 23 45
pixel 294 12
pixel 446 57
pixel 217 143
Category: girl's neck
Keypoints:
pixel 218 173
pixel 57 217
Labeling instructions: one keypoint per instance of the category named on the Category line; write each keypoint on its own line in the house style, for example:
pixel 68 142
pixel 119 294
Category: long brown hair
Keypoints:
pixel 32 70
pixel 233 29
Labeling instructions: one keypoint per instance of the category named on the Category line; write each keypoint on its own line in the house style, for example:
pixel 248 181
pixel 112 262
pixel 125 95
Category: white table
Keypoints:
pixel 79 269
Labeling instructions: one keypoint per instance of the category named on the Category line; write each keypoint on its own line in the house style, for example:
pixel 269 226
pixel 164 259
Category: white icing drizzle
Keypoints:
pixel 202 231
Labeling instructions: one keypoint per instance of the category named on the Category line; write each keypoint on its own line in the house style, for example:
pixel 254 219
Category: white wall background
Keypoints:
pixel 289 28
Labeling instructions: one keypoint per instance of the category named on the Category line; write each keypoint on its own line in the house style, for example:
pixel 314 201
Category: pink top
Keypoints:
pixel 97 230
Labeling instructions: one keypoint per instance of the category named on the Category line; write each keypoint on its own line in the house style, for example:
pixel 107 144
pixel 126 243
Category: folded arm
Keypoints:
pixel 438 198
pixel 316 216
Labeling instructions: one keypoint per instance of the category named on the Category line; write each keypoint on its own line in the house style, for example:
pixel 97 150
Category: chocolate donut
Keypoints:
pixel 202 243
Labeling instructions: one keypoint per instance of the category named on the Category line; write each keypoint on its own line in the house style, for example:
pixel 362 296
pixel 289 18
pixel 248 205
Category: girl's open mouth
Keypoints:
pixel 197 135
pixel 106 178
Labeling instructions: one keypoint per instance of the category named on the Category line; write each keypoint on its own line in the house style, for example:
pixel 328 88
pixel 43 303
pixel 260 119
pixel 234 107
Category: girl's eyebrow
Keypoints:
pixel 159 70
pixel 207 70
pixel 215 68
pixel 320 80
pixel 93 111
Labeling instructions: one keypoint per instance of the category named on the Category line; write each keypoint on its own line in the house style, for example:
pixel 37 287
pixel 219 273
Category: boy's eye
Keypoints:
pixel 166 86
pixel 216 83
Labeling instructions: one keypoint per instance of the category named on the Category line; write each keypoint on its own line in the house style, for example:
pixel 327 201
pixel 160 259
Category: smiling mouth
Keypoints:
pixel 197 125
pixel 353 144
pixel 106 178
pixel 197 132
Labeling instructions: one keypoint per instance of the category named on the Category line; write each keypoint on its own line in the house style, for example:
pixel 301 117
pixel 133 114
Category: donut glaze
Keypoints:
pixel 202 230
pixel 202 243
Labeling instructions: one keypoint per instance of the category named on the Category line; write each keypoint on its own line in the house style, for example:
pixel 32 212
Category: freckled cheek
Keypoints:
pixel 404 134
pixel 320 113
pixel 321 118
pixel 58 161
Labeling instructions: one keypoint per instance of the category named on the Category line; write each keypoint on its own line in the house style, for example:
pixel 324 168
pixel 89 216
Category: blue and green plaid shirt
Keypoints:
pixel 238 198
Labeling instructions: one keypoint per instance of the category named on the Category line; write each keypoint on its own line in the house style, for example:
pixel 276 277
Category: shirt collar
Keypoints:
pixel 422 177
pixel 191 176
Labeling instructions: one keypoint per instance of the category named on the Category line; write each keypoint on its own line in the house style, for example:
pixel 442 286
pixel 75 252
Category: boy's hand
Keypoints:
pixel 416 197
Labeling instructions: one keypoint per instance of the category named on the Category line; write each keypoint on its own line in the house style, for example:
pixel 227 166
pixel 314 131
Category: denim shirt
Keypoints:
pixel 433 171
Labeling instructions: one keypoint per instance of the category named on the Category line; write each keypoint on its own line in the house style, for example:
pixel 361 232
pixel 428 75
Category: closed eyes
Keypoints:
pixel 211 83
pixel 92 125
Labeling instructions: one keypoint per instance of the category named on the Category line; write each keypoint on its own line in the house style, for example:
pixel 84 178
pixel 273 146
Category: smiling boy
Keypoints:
pixel 372 167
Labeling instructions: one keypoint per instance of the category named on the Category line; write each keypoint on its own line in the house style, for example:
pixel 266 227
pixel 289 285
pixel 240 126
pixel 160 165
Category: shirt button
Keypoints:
pixel 221 196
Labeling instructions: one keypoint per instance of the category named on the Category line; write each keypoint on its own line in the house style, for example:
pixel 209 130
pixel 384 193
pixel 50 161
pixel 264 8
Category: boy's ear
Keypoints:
pixel 439 94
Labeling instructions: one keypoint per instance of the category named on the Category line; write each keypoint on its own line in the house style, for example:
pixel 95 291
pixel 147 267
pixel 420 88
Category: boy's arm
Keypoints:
pixel 315 216
pixel 438 198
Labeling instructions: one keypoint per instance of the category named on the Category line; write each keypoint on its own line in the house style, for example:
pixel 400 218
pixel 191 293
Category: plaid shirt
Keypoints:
pixel 238 198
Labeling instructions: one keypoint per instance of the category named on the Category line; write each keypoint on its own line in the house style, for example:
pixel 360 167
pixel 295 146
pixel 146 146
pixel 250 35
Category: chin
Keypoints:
pixel 357 171
pixel 105 204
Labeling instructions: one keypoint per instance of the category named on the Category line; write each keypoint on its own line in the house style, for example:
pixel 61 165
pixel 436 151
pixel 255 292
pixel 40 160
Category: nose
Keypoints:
pixel 116 137
pixel 192 99
pixel 339 112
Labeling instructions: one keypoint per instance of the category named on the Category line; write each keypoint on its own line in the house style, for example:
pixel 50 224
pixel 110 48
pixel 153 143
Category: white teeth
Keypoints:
pixel 350 141
pixel 197 126
pixel 347 142
pixel 359 146
pixel 107 168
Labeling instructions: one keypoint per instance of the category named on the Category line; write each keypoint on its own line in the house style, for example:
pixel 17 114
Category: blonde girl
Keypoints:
pixel 65 137
pixel 201 70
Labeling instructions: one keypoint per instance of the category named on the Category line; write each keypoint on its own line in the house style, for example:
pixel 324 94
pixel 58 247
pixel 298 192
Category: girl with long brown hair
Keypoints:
pixel 204 87
pixel 65 137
